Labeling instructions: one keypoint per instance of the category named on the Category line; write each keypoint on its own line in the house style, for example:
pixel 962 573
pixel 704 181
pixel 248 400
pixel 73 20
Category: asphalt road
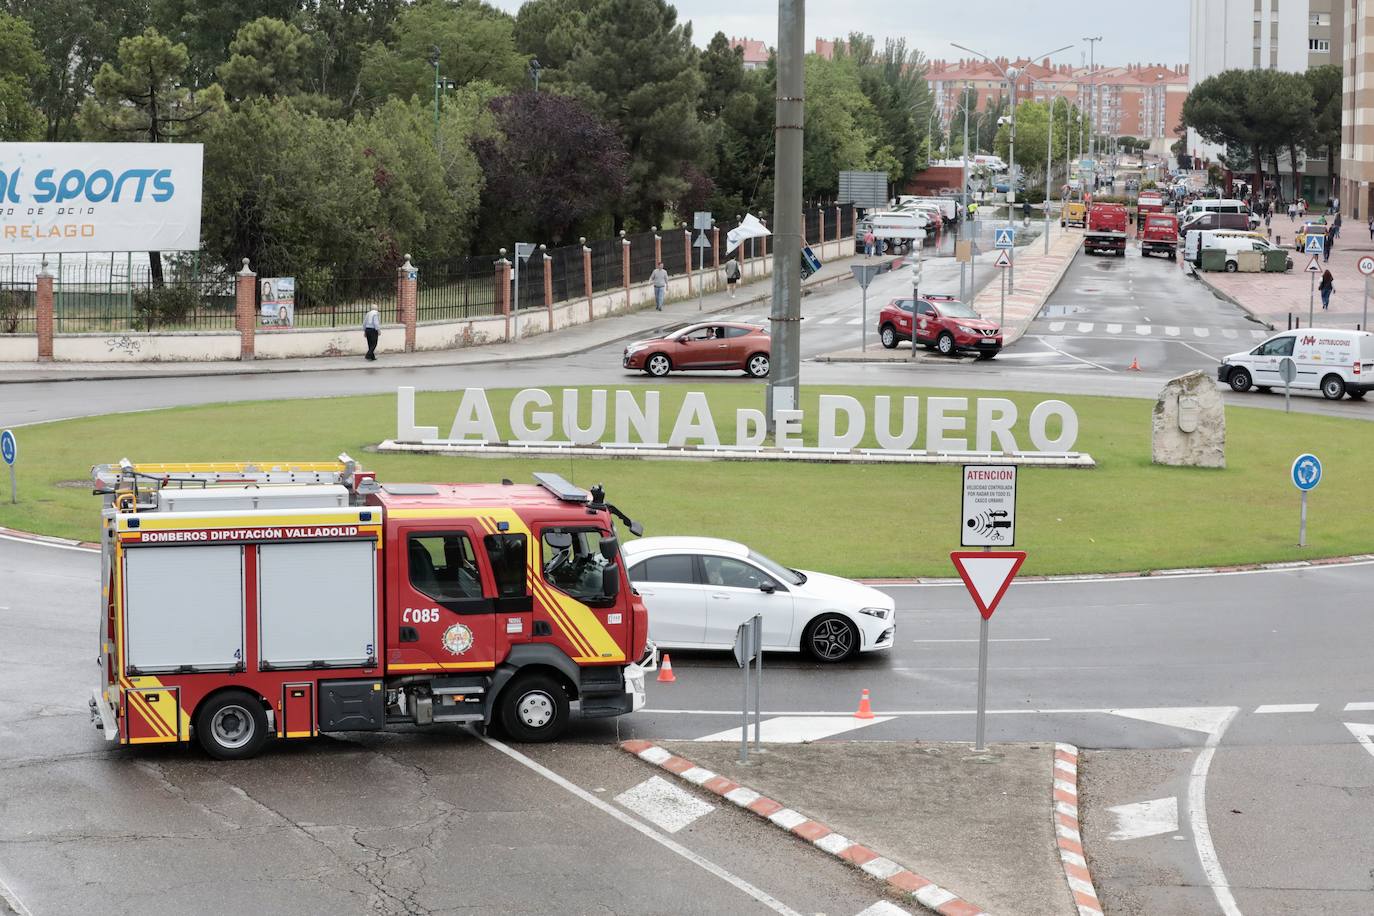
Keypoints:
pixel 1148 671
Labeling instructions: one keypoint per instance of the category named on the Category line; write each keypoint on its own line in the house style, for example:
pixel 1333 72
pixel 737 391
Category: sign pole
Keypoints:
pixel 978 744
pixel 1311 292
pixel 9 453
pixel 1302 522
pixel 863 331
pixel 1364 321
pixel 14 488
pixel 701 270
pixel 1002 318
pixel 744 724
pixel 757 637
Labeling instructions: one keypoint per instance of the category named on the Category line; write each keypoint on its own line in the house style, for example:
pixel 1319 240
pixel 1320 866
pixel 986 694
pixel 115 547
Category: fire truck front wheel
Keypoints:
pixel 533 707
pixel 232 725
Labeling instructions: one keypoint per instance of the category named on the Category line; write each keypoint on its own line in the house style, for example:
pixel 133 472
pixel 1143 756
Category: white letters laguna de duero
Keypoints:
pixel 83 197
pixel 635 417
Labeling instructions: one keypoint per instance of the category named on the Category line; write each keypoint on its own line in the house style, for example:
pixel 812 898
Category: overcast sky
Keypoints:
pixel 1132 31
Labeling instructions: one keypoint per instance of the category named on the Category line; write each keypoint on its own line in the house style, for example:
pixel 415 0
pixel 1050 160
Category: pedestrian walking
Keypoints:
pixel 1330 243
pixel 372 330
pixel 659 278
pixel 732 273
pixel 1371 228
pixel 1292 212
pixel 1326 287
pixel 1337 225
pixel 868 236
pixel 1267 218
pixel 1335 205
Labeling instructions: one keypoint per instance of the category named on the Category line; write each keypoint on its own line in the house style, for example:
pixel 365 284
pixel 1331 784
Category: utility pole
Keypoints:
pixel 962 297
pixel 1092 99
pixel 1049 158
pixel 434 59
pixel 784 374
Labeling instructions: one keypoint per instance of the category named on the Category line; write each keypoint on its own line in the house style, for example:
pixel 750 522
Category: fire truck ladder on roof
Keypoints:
pixel 155 476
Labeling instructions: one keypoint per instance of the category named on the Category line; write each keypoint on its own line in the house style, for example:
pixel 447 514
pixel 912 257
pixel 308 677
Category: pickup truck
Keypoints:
pixel 1106 229
pixel 1160 233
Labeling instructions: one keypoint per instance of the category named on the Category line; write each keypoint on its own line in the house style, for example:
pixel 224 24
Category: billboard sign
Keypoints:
pixel 277 308
pixel 863 189
pixel 74 197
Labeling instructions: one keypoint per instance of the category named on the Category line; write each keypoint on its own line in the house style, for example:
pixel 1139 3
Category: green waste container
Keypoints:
pixel 1276 260
pixel 1213 259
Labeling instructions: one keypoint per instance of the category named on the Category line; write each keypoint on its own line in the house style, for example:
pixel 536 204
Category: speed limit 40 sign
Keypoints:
pixel 1366 265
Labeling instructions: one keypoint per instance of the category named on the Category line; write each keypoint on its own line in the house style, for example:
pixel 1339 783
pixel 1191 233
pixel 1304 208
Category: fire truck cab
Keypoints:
pixel 243 602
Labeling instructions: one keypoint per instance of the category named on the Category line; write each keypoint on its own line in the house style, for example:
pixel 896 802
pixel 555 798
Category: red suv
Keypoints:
pixel 942 322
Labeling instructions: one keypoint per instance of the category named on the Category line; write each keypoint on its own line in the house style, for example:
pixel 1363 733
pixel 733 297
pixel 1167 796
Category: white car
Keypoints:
pixel 699 590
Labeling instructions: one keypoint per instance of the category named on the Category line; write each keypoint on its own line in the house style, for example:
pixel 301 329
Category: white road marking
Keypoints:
pixel 1228 333
pixel 37 543
pixel 1056 326
pixel 793 729
pixel 1201 332
pixel 1071 356
pixel 1285 707
pixel 884 908
pixel 1361 732
pixel 1113 329
pixel 992 639
pixel 1142 329
pixel 672 845
pixel 1196 350
pixel 831 320
pixel 660 802
pixel 1148 818
pixel 12 901
pixel 1194 718
pixel 1359 707
pixel 1171 330
pixel 1197 819
pixel 1085 327
pixel 1259 335
pixel 858 320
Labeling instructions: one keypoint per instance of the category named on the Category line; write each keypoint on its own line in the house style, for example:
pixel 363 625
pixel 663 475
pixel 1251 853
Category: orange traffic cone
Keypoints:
pixel 1134 366
pixel 865 710
pixel 665 671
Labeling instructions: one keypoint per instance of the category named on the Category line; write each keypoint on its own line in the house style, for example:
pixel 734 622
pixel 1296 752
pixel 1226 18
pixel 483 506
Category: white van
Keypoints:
pixel 949 209
pixel 1194 240
pixel 1233 243
pixel 897 227
pixel 1209 205
pixel 1333 362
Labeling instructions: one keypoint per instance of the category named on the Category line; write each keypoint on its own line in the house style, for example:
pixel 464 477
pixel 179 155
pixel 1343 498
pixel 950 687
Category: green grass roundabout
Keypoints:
pixel 853 520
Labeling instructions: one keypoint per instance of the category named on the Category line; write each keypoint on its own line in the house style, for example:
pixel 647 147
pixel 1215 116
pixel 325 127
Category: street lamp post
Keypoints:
pixel 535 70
pixel 1092 98
pixel 434 59
pixel 1010 76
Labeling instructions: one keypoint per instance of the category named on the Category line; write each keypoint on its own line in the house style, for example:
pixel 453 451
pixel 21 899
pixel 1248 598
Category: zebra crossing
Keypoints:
pixel 1152 330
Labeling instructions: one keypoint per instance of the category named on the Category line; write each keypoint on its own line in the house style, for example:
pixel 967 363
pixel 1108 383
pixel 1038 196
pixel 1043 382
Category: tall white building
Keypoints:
pixel 1244 34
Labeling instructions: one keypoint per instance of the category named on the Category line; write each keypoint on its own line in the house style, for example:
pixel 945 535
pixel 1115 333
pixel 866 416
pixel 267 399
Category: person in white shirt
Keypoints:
pixel 372 330
pixel 659 278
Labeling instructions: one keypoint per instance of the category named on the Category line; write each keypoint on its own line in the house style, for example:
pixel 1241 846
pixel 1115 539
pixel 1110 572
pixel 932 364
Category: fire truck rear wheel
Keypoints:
pixel 534 707
pixel 232 725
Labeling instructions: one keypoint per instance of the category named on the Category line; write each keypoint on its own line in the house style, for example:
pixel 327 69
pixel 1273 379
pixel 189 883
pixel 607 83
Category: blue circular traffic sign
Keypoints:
pixel 1306 472
pixel 9 447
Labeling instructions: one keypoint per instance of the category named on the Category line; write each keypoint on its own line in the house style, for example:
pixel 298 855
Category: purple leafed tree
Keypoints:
pixel 554 165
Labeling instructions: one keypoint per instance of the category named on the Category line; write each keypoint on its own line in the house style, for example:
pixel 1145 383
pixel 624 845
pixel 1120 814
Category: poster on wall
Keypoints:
pixel 277 308
pixel 84 197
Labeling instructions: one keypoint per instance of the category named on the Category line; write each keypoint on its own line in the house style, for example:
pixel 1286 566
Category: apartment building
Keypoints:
pixel 1357 110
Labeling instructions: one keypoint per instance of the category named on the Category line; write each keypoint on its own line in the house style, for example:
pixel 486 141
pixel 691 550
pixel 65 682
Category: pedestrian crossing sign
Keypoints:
pixel 1003 259
pixel 1313 265
pixel 1004 237
pixel 1314 244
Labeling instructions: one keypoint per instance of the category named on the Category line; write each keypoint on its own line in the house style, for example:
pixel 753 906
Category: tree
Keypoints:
pixel 206 27
pixel 893 80
pixel 143 99
pixel 20 68
pixel 550 165
pixel 340 34
pixel 638 70
pixel 722 75
pixel 551 31
pixel 839 127
pixel 266 57
pixel 1325 85
pixel 1220 109
pixel 475 43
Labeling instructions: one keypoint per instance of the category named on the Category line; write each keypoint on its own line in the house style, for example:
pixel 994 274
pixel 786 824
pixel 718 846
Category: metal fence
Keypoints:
pixel 342 302
pixel 457 288
pixel 18 300
pixel 608 271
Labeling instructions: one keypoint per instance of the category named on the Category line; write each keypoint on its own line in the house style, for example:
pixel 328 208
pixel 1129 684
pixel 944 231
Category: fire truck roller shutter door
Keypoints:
pixel 317 604
pixel 183 608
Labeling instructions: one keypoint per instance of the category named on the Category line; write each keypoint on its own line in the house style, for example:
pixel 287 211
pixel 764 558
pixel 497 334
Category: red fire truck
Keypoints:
pixel 248 601
pixel 1106 230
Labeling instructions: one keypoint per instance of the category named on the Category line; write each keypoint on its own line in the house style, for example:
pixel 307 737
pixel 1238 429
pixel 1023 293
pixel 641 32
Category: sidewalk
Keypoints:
pixel 564 342
pixel 978 825
pixel 1273 297
pixel 1037 275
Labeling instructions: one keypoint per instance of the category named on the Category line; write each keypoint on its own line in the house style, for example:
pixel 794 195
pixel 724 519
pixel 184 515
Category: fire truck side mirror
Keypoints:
pixel 610 582
pixel 609 548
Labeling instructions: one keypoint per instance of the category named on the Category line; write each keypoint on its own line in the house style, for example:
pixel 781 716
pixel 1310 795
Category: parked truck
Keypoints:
pixel 249 601
pixel 1147 204
pixel 1106 229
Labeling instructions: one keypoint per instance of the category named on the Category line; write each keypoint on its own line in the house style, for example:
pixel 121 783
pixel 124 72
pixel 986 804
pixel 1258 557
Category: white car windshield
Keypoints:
pixel 777 570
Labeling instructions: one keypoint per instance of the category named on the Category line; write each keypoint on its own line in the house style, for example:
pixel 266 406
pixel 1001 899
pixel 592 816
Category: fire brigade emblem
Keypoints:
pixel 458 639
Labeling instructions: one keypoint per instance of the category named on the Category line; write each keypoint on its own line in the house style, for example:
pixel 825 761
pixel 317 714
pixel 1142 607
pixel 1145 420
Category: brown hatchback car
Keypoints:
pixel 710 345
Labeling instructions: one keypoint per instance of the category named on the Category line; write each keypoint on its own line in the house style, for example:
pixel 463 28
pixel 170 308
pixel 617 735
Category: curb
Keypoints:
pixel 1276 565
pixel 901 881
pixel 15 534
pixel 1066 832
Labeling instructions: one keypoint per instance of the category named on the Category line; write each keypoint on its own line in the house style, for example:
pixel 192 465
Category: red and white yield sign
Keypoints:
pixel 987 575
